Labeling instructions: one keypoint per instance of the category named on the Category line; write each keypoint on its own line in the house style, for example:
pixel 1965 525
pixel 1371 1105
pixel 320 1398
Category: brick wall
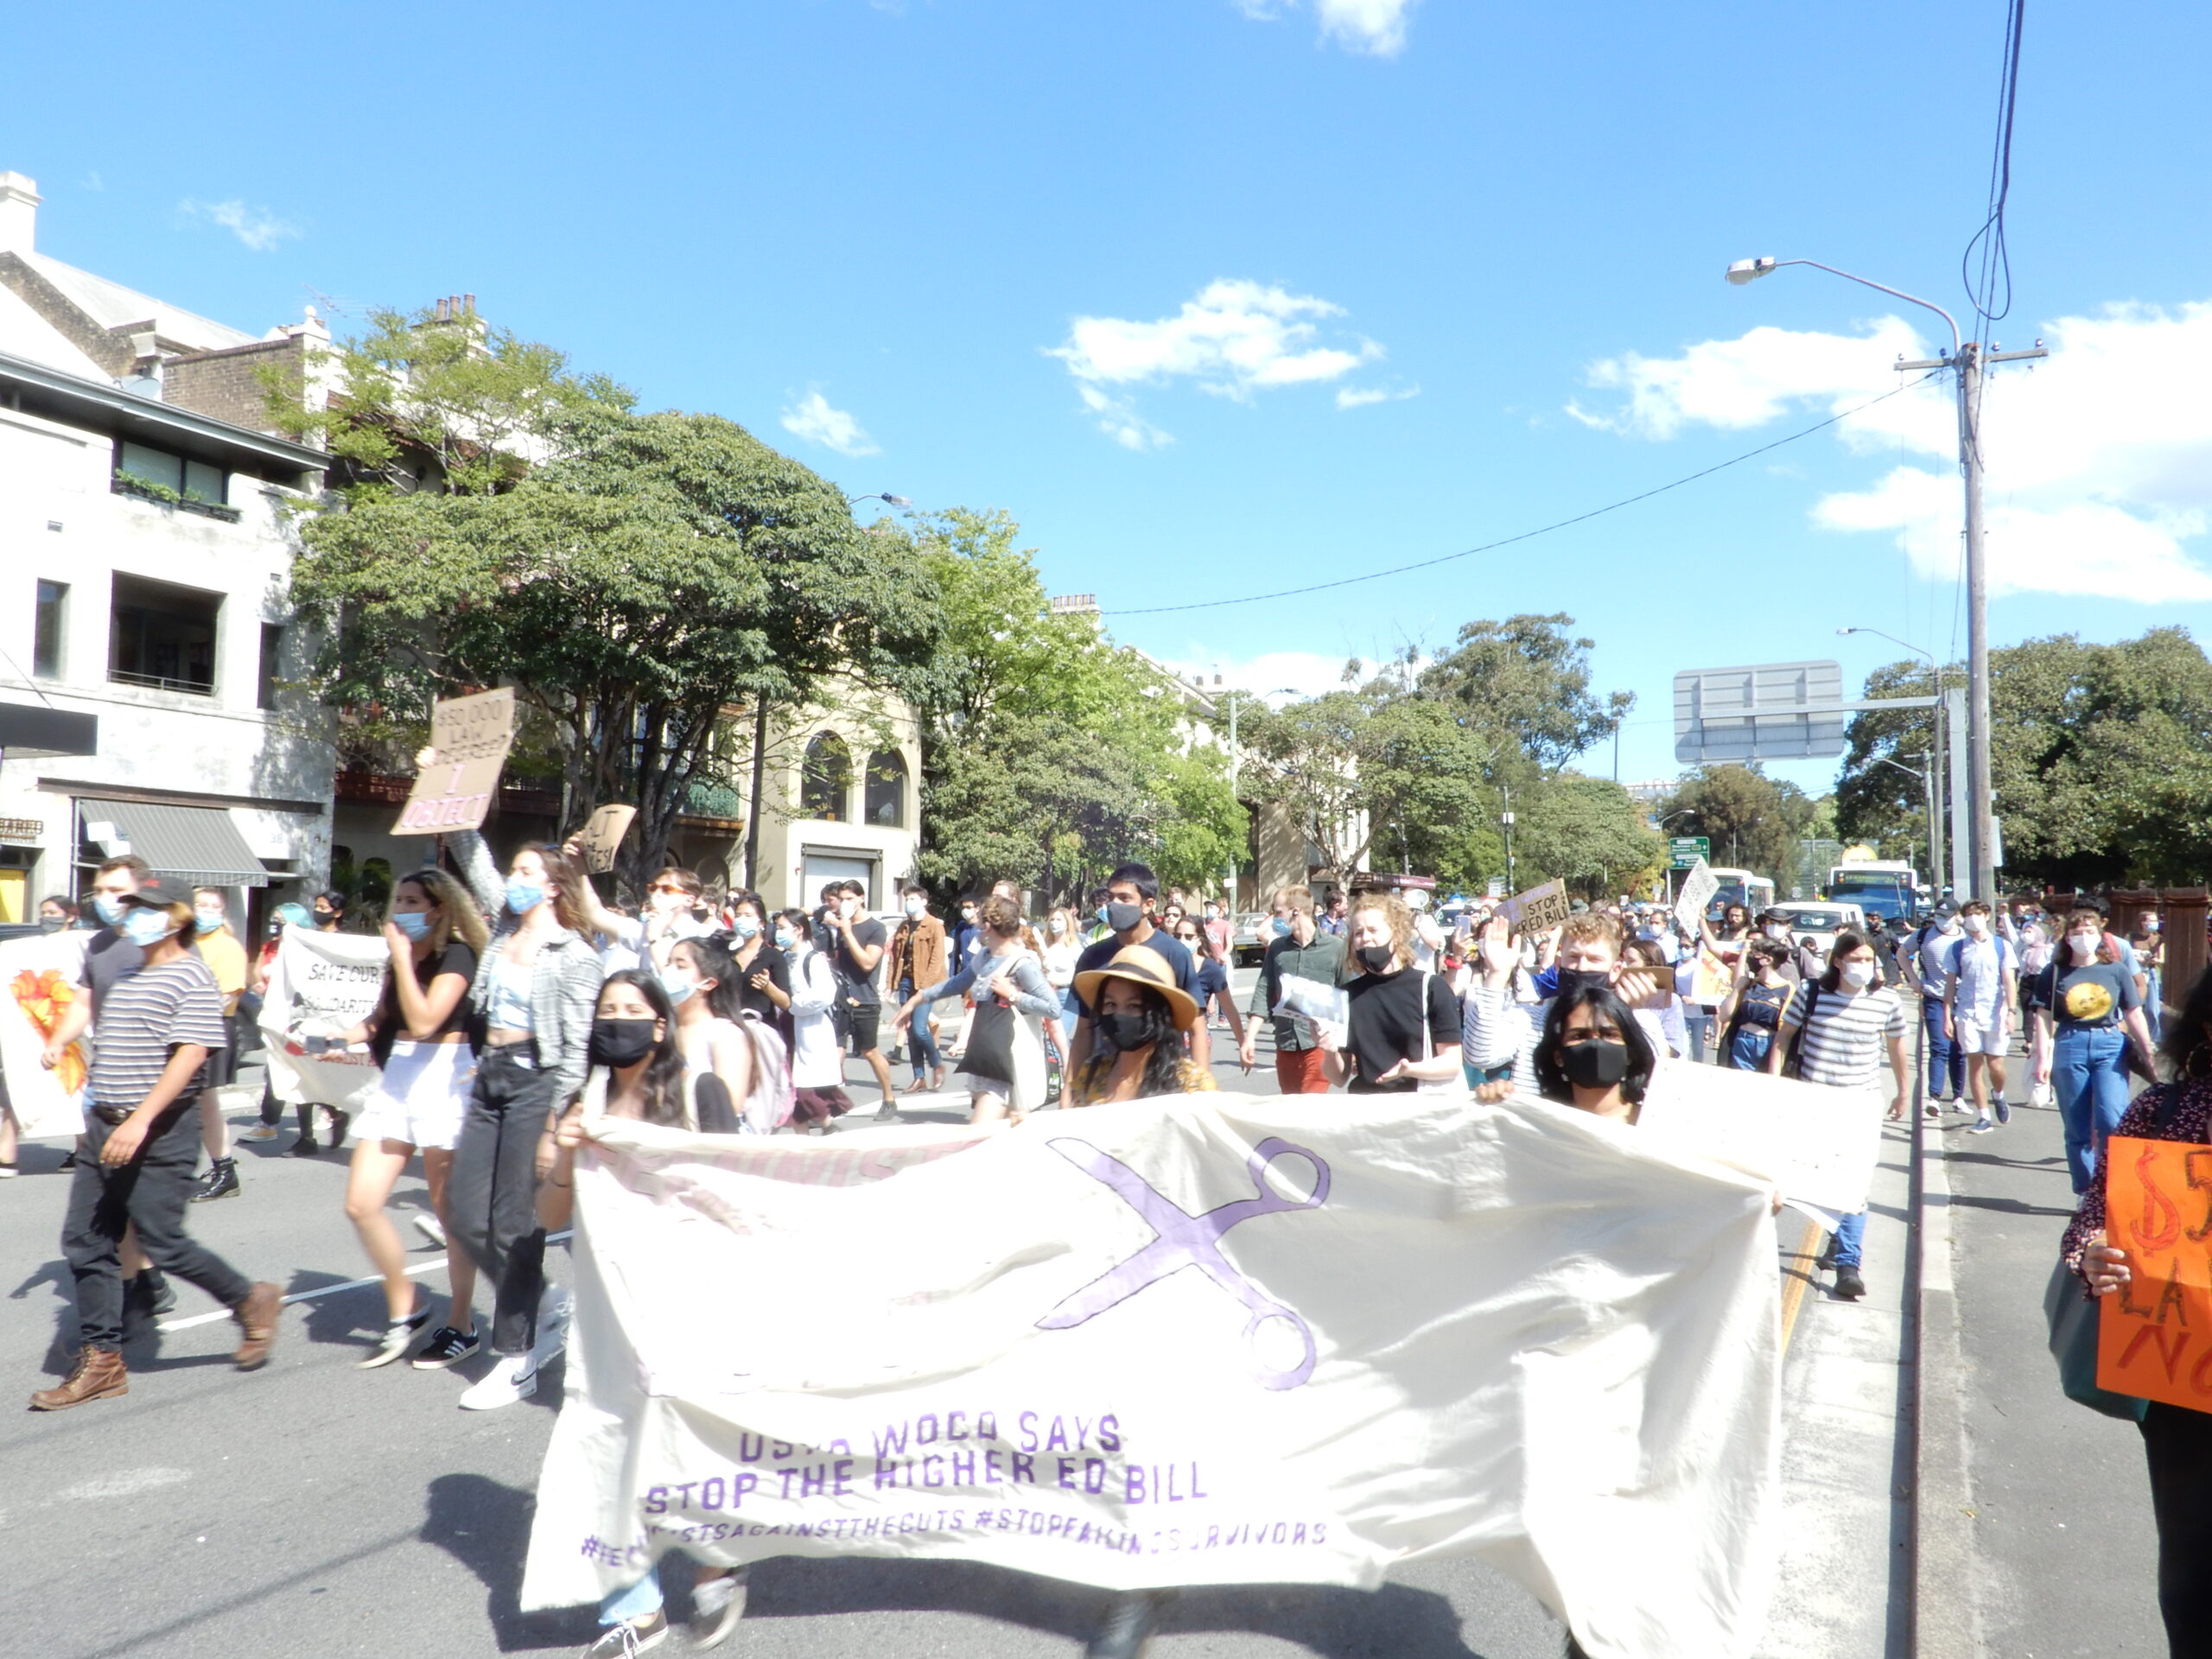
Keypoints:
pixel 226 383
pixel 110 349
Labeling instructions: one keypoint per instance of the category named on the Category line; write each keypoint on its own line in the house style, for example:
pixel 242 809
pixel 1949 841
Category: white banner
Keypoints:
pixel 1697 890
pixel 320 984
pixel 38 980
pixel 1818 1145
pixel 1427 1329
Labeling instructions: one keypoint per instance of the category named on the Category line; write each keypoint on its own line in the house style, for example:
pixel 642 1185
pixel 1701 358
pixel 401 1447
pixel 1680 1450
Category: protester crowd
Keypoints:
pixel 516 1009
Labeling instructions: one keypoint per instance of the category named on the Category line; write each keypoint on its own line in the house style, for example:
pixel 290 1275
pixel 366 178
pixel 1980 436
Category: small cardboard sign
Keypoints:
pixel 2154 1333
pixel 1537 911
pixel 602 835
pixel 469 739
pixel 1697 891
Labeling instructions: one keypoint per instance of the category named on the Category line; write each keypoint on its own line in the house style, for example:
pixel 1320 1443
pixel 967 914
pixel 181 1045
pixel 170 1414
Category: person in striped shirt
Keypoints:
pixel 1839 1027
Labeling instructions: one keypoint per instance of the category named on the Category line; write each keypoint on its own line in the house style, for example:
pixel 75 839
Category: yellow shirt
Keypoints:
pixel 1090 1083
pixel 226 959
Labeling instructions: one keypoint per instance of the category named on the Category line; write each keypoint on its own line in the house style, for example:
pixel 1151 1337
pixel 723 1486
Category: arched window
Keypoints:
pixel 825 789
pixel 886 789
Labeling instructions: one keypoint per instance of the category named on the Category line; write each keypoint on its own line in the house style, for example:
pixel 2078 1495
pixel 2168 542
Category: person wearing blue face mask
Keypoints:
pixel 760 974
pixel 536 988
pixel 1298 947
pixel 225 958
pixel 140 1147
pixel 418 1035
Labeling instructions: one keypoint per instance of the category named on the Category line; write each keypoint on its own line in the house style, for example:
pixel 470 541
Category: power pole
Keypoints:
pixel 1968 361
pixel 1506 818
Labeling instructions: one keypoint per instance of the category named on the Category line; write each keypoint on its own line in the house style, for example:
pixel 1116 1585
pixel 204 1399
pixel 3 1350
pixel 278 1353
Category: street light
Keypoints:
pixel 1935 756
pixel 1969 360
pixel 1927 781
pixel 877 495
pixel 1236 755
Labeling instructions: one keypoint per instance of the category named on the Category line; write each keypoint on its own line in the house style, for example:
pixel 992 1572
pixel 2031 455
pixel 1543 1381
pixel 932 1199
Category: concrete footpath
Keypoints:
pixel 2059 1555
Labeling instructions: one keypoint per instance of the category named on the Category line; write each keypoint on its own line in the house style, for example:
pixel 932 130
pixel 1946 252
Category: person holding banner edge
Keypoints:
pixel 1403 1026
pixel 535 990
pixel 418 1035
pixel 2176 1442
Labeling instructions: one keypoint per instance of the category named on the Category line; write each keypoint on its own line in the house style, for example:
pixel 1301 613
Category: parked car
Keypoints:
pixel 1249 938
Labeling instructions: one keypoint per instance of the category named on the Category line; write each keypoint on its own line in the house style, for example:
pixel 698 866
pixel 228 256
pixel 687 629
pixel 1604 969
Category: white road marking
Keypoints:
pixel 129 1483
pixel 430 1266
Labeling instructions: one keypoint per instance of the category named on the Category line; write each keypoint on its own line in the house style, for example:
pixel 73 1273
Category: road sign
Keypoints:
pixel 1774 711
pixel 1684 851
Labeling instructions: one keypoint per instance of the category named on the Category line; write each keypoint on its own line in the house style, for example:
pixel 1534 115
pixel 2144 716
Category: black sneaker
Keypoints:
pixel 1826 1257
pixel 149 1293
pixel 305 1146
pixel 447 1347
pixel 1131 1619
pixel 2004 1109
pixel 1849 1287
pixel 630 1637
pixel 221 1181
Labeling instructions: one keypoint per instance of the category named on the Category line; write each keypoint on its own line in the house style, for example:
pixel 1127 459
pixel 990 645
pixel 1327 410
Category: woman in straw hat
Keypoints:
pixel 1140 1017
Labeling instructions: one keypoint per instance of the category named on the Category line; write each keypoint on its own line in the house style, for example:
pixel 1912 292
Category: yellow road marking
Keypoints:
pixel 1797 1279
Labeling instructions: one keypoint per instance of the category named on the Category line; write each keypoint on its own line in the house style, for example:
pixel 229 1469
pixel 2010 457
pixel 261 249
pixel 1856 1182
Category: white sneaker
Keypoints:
pixel 511 1378
pixel 431 1228
pixel 260 1132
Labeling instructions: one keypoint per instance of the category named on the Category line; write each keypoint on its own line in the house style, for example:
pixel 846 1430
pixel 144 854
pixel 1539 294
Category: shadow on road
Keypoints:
pixel 486 1527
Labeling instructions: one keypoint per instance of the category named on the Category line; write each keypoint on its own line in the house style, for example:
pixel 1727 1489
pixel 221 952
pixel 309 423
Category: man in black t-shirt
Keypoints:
pixel 857 942
pixel 1132 892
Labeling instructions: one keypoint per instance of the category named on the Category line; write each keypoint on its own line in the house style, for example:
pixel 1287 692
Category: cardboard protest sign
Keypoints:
pixel 469 740
pixel 2154 1336
pixel 320 984
pixel 1537 911
pixel 602 835
pixel 1818 1145
pixel 1579 1385
pixel 1712 979
pixel 1697 890
pixel 38 984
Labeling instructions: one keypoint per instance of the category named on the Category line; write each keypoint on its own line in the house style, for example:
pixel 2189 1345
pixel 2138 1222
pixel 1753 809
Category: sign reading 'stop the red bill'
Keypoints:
pixel 469 740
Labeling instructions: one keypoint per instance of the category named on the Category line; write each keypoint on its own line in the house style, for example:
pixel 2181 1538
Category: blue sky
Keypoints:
pixel 1453 271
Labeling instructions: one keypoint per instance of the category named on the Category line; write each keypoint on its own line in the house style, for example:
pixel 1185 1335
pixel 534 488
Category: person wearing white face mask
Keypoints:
pixel 763 981
pixel 2090 993
pixel 918 951
pixel 1834 1032
pixel 1980 986
pixel 1924 956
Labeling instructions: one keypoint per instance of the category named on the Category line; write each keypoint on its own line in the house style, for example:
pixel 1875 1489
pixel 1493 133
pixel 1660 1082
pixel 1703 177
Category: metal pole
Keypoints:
pixel 1935 769
pixel 1980 803
pixel 1960 813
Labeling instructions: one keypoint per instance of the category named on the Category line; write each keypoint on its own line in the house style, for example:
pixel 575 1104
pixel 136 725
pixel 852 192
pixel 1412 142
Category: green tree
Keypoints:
pixel 1588 832
pixel 1050 752
pixel 1527 680
pixel 1752 823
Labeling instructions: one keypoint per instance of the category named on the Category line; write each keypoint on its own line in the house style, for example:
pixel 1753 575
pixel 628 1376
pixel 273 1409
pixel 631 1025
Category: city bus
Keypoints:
pixel 1880 886
pixel 1754 892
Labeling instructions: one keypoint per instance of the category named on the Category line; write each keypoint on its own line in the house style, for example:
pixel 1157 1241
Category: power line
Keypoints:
pixel 1530 535
pixel 1996 259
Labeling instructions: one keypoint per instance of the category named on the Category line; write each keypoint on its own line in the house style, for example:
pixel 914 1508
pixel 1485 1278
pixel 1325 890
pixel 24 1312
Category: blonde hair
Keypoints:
pixel 457 917
pixel 1299 899
pixel 1396 916
pixel 1592 926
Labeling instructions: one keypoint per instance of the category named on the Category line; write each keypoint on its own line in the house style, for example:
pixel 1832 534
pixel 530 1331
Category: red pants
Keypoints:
pixel 1298 1071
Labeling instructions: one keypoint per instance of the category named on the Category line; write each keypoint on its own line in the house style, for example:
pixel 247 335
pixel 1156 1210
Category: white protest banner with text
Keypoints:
pixel 320 984
pixel 38 984
pixel 1178 1342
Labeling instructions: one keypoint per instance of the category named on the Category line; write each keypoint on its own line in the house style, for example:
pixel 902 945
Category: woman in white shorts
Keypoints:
pixel 420 1038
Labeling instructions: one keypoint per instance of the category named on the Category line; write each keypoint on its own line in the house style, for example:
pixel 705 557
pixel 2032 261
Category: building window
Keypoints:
pixel 826 780
pixel 886 789
pixel 272 645
pixel 187 480
pixel 163 635
pixel 47 630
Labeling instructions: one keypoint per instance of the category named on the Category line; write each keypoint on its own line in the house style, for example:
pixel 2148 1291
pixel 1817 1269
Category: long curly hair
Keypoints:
pixel 1163 1061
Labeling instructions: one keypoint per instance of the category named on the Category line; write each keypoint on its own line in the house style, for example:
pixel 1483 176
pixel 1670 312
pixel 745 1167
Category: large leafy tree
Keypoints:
pixel 1050 752
pixel 1753 822
pixel 640 578
pixel 1527 680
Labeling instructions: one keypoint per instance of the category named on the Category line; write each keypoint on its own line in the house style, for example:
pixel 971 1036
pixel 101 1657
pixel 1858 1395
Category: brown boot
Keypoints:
pixel 98 1376
pixel 257 1317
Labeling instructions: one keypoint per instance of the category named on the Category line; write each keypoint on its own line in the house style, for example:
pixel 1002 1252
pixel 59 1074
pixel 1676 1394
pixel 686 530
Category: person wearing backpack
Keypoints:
pixel 1981 983
pixel 818 1051
pixel 1924 955
pixel 718 1033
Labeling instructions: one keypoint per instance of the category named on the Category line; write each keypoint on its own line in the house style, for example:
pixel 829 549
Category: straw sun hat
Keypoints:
pixel 1142 965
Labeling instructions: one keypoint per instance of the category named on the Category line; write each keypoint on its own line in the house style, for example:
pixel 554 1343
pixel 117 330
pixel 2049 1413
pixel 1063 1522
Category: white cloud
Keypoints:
pixel 1237 338
pixel 256 227
pixel 1361 396
pixel 813 419
pixel 1375 27
pixel 2099 460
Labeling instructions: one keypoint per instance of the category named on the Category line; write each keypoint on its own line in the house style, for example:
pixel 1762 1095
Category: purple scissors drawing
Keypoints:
pixel 1189 1241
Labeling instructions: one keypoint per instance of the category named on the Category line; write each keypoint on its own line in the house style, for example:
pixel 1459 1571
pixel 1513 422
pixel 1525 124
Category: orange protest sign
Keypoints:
pixel 2154 1334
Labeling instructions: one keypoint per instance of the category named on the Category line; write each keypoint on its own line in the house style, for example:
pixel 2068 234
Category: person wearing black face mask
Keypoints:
pixel 638 1072
pixel 1137 1013
pixel 1403 1028
pixel 1593 1054
pixel 1131 893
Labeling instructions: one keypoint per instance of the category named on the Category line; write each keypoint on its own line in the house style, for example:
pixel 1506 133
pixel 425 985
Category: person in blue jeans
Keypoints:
pixel 2087 993
pixel 1924 956
pixel 1759 1001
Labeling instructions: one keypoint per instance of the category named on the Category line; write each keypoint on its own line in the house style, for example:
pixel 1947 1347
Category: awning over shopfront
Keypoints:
pixel 188 846
pixel 29 731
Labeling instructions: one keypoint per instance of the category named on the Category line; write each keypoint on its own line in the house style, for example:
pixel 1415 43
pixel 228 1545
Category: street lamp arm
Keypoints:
pixel 1762 266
